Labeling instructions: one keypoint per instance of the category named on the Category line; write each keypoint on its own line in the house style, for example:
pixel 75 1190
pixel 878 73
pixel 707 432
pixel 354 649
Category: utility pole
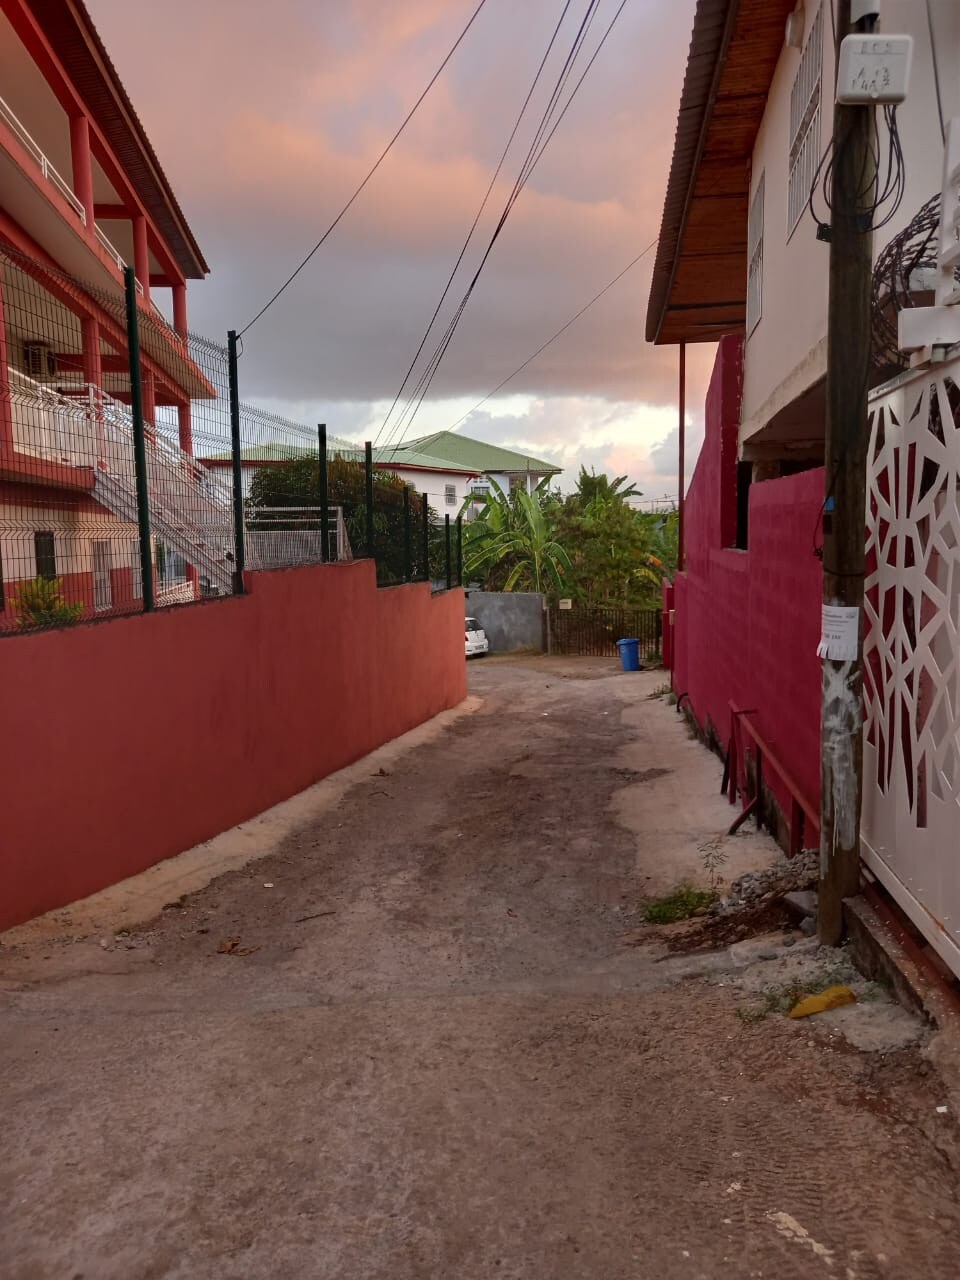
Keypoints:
pixel 844 512
pixel 681 460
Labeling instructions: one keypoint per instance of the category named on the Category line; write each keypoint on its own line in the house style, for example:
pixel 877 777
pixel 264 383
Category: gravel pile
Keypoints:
pixel 783 876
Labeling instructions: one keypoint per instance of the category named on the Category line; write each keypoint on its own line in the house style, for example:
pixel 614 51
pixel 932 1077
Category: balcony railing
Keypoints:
pixel 46 168
pixel 56 179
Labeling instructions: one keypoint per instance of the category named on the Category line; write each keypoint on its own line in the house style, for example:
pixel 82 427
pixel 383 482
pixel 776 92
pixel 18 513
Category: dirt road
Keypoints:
pixel 411 1043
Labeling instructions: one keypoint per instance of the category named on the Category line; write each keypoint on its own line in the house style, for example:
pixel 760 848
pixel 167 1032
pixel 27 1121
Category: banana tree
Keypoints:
pixel 518 533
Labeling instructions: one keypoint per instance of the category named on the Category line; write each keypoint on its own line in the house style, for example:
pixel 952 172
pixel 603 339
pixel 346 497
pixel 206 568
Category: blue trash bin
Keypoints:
pixel 629 654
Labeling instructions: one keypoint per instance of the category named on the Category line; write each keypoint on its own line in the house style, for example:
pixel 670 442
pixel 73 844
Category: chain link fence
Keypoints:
pixel 132 476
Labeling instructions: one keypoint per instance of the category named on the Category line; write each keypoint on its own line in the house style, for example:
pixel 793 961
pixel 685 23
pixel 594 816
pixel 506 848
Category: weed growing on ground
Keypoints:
pixel 782 998
pixel 661 691
pixel 714 857
pixel 679 904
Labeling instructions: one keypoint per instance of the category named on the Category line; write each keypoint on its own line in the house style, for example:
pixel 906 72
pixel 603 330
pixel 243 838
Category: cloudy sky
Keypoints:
pixel 266 117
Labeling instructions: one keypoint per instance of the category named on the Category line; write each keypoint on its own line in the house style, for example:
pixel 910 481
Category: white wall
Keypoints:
pixel 74 533
pixel 786 353
pixel 434 485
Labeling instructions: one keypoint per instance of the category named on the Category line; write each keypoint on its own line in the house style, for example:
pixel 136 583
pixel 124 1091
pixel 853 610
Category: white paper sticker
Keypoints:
pixel 839 633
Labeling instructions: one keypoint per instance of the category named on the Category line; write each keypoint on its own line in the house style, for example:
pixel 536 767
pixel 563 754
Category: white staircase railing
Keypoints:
pixel 187 510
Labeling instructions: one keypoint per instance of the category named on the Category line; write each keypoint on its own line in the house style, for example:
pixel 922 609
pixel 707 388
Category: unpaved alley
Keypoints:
pixel 413 1042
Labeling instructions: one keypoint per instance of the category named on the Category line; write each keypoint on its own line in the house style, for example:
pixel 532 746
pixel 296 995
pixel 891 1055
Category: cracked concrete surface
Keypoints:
pixel 437 1057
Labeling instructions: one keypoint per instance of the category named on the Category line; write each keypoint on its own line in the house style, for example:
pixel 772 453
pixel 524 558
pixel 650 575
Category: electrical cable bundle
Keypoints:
pixel 880 184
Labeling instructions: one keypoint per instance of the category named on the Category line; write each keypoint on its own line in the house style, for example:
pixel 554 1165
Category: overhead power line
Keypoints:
pixel 563 329
pixel 534 155
pixel 414 399
pixel 409 116
pixel 473 226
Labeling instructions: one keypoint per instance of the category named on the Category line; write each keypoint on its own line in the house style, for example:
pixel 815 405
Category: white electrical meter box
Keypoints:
pixel 874 68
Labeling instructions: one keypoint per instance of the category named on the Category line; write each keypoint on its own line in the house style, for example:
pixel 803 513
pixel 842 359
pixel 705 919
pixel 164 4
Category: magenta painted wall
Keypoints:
pixel 747 622
pixel 130 740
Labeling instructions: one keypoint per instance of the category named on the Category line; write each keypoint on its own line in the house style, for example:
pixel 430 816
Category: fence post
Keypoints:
pixel 407 535
pixel 237 469
pixel 368 492
pixel 459 551
pixel 448 561
pixel 426 539
pixel 324 493
pixel 139 441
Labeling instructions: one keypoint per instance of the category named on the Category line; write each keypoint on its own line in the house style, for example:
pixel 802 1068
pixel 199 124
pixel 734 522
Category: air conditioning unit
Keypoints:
pixel 39 360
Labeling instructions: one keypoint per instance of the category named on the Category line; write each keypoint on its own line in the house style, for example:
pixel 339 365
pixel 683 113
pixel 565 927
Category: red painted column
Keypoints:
pixel 180 309
pixel 93 377
pixel 6 414
pixel 149 397
pixel 82 166
pixel 186 427
pixel 141 254
pixel 681 545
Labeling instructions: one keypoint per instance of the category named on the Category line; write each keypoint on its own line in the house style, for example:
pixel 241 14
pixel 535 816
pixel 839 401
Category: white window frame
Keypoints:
pixel 450 494
pixel 755 257
pixel 803 155
pixel 101 557
pixel 136 573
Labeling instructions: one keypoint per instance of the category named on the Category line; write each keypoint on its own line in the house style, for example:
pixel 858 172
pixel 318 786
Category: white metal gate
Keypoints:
pixel 911 792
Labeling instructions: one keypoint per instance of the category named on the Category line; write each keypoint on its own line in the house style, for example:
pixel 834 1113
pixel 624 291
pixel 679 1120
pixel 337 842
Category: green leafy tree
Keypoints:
pixel 600 488
pixel 611 554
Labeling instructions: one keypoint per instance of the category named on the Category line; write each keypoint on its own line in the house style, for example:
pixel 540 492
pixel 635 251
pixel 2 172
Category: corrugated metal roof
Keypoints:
pixel 476 455
pixel 74 39
pixel 404 456
pixel 698 290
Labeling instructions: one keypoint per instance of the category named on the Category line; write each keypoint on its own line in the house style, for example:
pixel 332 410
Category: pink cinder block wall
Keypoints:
pixel 747 622
pixel 126 742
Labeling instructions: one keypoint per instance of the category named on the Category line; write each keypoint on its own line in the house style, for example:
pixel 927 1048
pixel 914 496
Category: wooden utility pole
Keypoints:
pixel 844 516
pixel 681 460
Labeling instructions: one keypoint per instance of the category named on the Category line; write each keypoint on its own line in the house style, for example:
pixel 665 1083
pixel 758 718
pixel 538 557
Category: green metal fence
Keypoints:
pixel 133 476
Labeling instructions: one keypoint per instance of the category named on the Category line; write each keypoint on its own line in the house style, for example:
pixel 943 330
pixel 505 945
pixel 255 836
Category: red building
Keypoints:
pixel 82 194
pixel 742 262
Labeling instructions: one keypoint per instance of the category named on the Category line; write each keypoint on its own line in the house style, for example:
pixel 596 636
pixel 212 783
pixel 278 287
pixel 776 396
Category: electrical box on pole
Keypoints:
pixel 874 69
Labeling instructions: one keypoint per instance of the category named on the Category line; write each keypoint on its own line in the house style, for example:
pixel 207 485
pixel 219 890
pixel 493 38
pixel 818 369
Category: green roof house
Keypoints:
pixel 510 469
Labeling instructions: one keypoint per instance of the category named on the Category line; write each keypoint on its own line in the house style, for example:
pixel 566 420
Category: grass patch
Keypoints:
pixel 661 691
pixel 781 999
pixel 679 904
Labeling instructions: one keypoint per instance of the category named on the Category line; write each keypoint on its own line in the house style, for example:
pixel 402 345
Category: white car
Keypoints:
pixel 476 637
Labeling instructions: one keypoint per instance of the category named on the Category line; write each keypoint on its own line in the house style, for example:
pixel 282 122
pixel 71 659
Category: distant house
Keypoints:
pixel 484 462
pixel 272 453
pixel 446 485
pixel 447 468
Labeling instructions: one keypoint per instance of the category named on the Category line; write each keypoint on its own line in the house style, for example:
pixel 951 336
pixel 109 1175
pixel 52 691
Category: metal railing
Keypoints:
pixel 50 173
pixel 145 504
pixel 279 537
pixel 56 179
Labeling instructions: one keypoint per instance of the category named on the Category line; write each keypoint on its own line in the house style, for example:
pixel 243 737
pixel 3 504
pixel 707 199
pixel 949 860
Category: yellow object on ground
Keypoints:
pixel 832 998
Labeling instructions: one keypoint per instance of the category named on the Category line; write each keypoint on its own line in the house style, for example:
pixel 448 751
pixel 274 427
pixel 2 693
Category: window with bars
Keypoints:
pixel 804 153
pixel 45 552
pixel 450 493
pixel 755 258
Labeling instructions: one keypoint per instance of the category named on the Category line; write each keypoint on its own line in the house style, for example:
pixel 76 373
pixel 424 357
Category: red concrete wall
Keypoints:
pixel 130 740
pixel 746 623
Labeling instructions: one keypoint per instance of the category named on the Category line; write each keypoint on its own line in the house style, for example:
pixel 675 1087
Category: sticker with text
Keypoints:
pixel 839 633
